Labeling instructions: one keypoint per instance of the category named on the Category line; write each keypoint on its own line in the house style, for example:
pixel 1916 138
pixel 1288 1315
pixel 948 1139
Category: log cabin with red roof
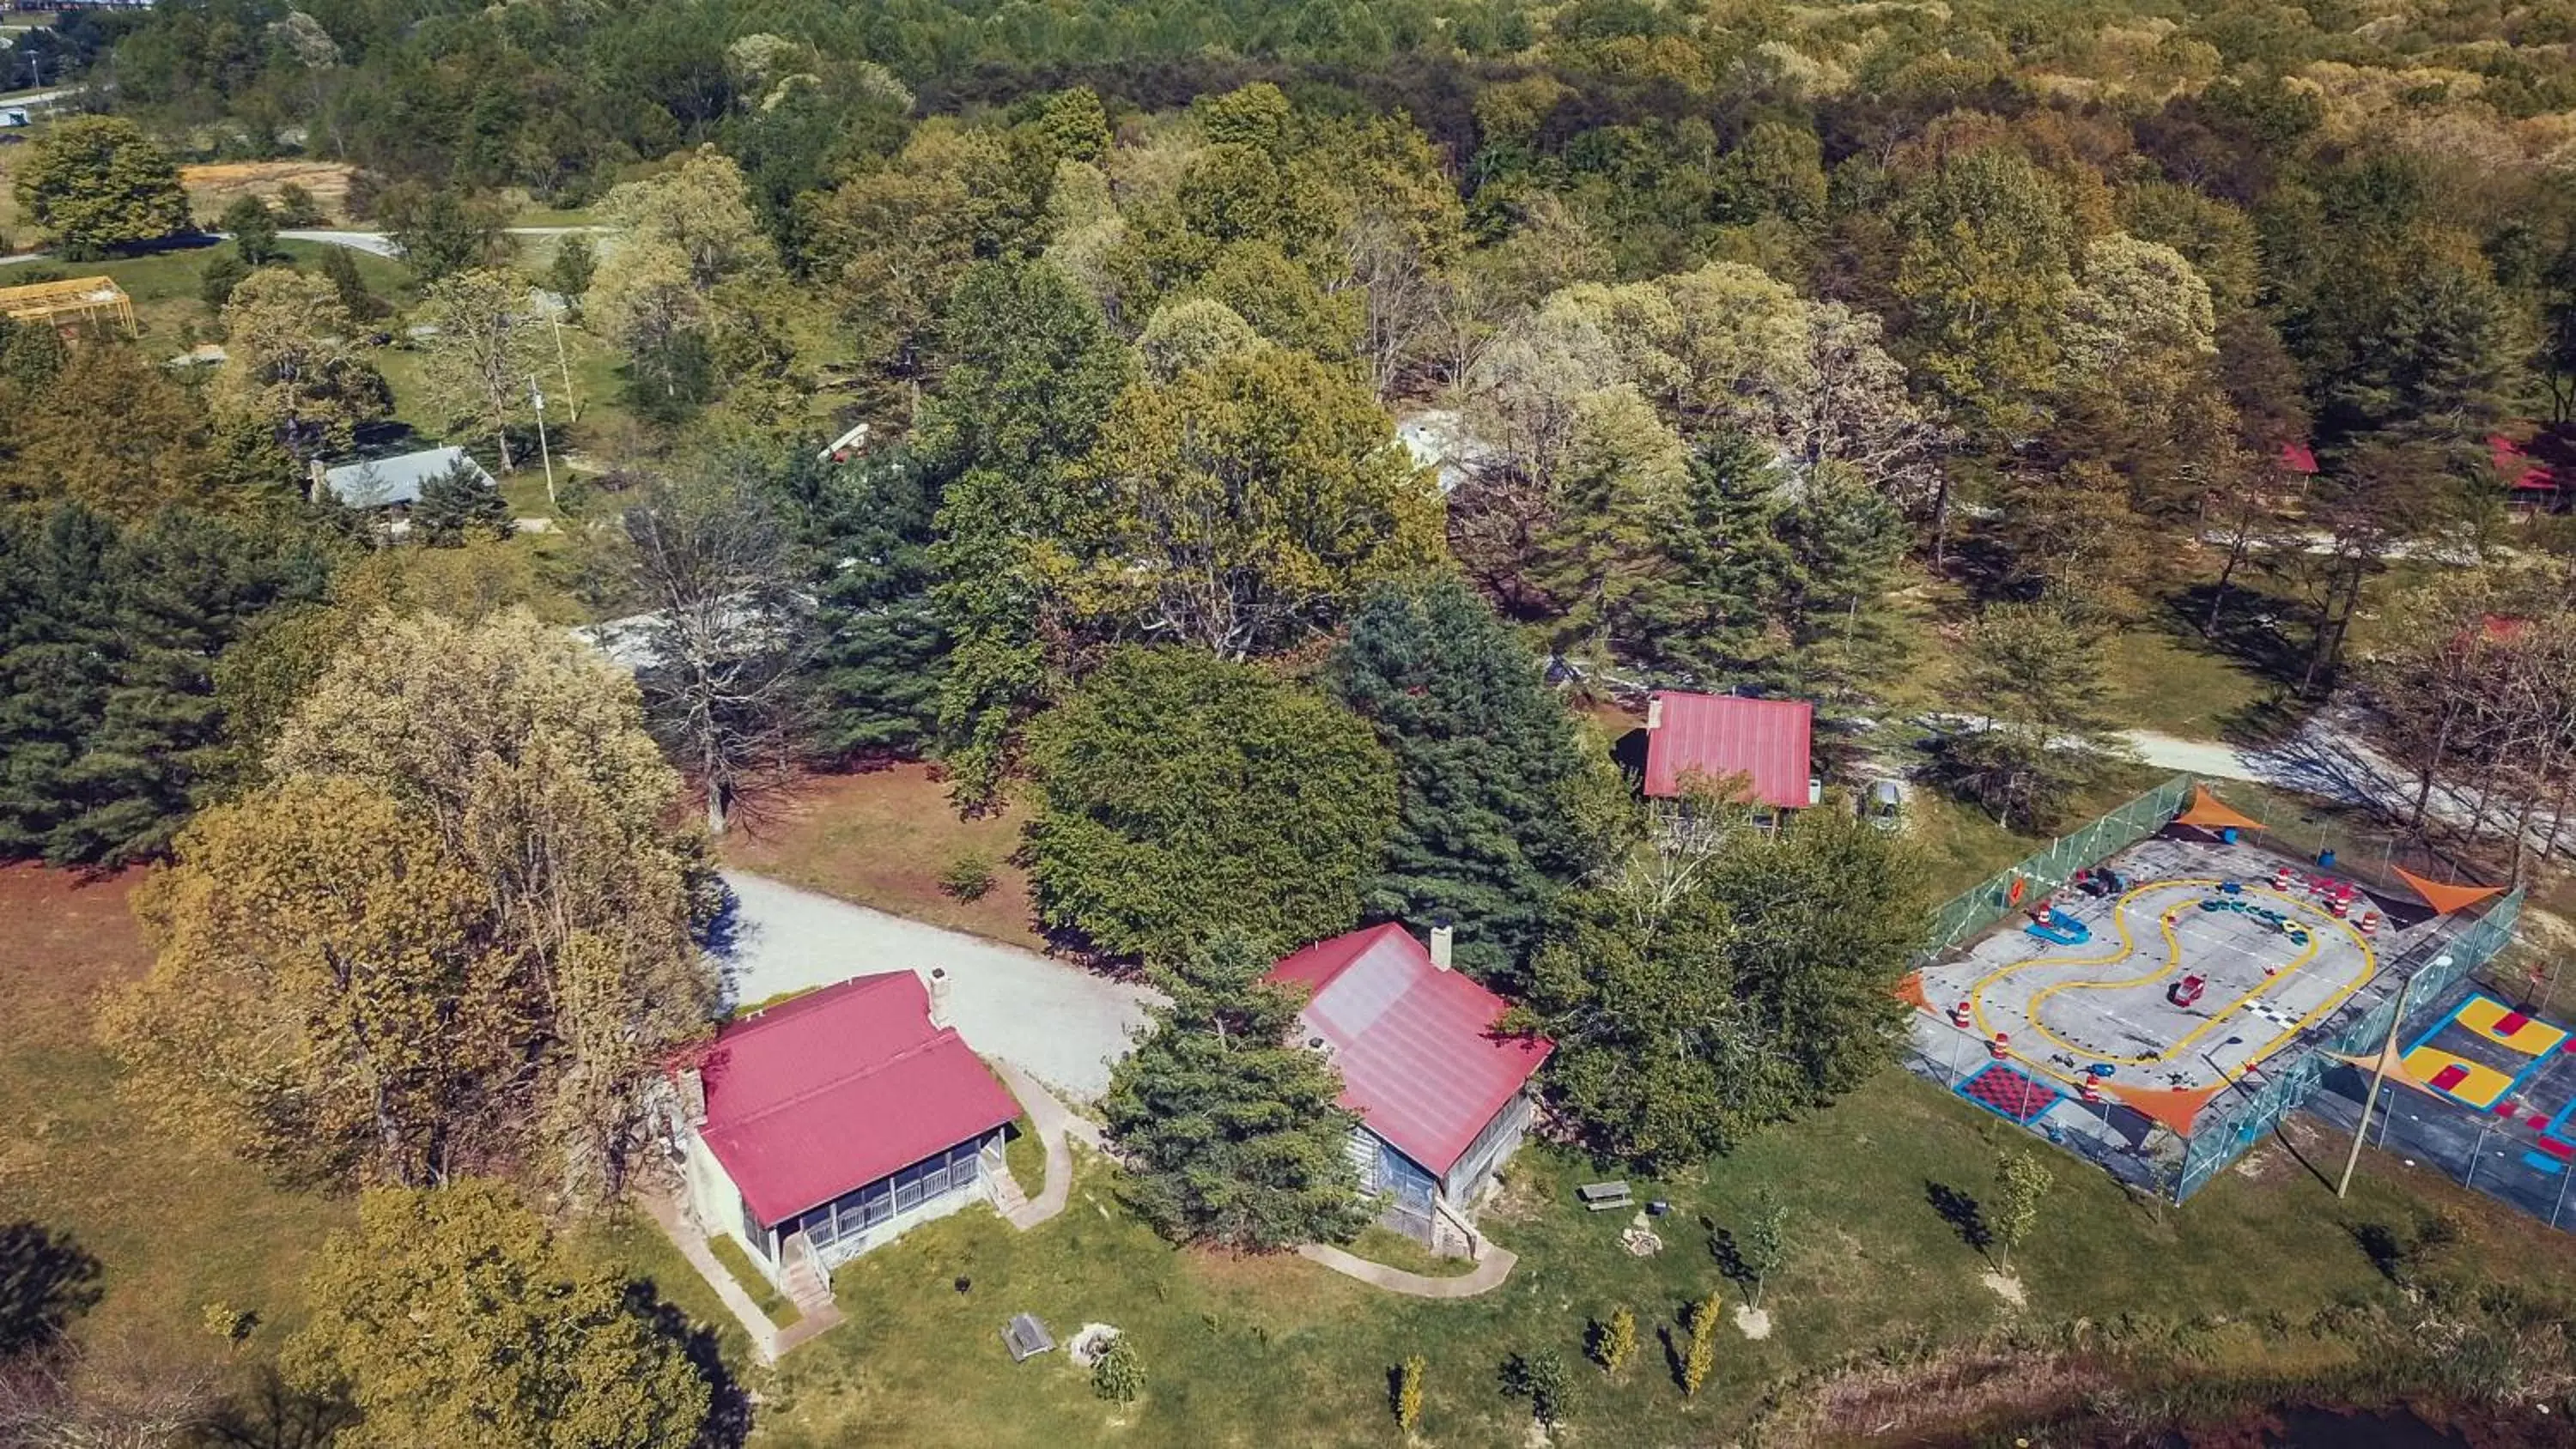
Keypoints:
pixel 832 1122
pixel 1442 1094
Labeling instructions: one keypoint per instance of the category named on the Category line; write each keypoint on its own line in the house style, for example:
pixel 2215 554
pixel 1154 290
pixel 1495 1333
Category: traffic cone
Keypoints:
pixel 1960 1015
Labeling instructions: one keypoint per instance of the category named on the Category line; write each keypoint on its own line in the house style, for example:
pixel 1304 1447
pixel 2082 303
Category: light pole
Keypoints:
pixel 542 450
pixel 2379 1076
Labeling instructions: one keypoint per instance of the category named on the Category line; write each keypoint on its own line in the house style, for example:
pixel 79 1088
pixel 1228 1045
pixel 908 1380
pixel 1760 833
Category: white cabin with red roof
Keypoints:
pixel 832 1122
pixel 1443 1095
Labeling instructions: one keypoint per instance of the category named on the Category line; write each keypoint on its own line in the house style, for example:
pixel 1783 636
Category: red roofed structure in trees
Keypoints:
pixel 833 1121
pixel 1715 738
pixel 1442 1094
pixel 2297 458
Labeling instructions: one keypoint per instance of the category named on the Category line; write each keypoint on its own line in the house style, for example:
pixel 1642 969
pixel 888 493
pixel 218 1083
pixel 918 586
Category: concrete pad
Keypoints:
pixel 1061 1024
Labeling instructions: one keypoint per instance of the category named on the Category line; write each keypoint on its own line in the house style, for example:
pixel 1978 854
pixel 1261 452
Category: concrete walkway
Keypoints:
pixel 1055 1124
pixel 1053 1020
pixel 1483 1278
pixel 768 1341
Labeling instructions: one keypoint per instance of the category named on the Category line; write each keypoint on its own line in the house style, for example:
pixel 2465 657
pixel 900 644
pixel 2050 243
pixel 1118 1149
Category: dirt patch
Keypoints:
pixel 1753 1323
pixel 214 186
pixel 68 936
pixel 2007 1289
pixel 882 838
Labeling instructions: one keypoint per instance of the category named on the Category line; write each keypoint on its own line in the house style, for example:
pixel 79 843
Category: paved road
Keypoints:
pixel 374 243
pixel 1059 1023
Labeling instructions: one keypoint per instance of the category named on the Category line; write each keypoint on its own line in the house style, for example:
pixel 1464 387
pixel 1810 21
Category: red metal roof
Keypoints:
pixel 1419 1057
pixel 1763 740
pixel 834 1089
pixel 2517 467
pixel 2298 458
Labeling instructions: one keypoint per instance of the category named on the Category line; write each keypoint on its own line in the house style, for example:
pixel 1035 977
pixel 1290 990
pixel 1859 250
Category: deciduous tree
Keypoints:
pixel 454 1316
pixel 97 182
pixel 1242 506
pixel 507 966
pixel 481 358
pixel 295 364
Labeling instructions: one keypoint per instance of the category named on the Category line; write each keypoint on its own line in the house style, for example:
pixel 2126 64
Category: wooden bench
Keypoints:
pixel 1603 1196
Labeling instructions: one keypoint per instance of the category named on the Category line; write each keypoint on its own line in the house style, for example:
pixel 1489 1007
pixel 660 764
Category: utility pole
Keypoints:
pixel 572 399
pixel 542 450
pixel 2379 1077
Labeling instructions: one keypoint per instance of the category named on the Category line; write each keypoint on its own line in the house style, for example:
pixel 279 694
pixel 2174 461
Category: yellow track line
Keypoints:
pixel 2173 946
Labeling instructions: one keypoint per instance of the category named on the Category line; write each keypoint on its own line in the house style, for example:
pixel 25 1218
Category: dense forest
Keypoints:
pixel 1275 438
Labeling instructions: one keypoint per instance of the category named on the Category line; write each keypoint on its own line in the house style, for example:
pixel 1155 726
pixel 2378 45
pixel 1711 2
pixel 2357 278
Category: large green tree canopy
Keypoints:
pixel 1181 795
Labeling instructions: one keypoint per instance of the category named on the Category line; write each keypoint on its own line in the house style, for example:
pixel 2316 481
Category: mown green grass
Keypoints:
pixel 767 1297
pixel 1277 1350
pixel 1025 1158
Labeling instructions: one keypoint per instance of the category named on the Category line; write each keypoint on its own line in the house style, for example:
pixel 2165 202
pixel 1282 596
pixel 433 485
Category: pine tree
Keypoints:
pixel 58 650
pixel 1713 621
pixel 109 728
pixel 865 528
pixel 457 504
pixel 1488 768
pixel 1230 1128
pixel 1843 540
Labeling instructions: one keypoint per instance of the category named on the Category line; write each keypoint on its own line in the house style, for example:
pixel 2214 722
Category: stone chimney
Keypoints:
pixel 1654 711
pixel 1443 938
pixel 693 1097
pixel 939 997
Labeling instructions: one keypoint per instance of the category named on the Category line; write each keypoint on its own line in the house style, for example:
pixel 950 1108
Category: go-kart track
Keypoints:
pixel 2196 965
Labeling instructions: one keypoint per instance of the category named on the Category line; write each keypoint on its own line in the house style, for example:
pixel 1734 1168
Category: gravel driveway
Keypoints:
pixel 1057 1022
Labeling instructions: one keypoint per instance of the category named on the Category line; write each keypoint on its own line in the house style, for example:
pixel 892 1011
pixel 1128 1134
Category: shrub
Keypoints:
pixel 1408 1393
pixel 1614 1340
pixel 969 876
pixel 1701 1357
pixel 1540 1378
pixel 1118 1375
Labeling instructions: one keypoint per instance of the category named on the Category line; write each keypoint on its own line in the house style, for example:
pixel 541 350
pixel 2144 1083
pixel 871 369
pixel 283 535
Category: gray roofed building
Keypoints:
pixel 383 482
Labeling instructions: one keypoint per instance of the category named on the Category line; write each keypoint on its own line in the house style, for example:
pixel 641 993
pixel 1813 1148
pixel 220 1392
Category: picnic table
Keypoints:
pixel 1603 1196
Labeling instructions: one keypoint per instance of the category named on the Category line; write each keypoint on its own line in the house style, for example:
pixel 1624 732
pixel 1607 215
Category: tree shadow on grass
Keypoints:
pixel 1962 1213
pixel 46 1280
pixel 1730 1261
pixel 271 1414
pixel 729 1411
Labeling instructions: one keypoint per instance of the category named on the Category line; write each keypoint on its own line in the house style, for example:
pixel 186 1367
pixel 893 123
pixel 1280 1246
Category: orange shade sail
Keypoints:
pixel 2175 1109
pixel 2391 1063
pixel 2446 898
pixel 2210 813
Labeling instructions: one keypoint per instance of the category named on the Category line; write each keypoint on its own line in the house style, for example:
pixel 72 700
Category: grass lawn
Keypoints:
pixel 881 838
pixel 164 286
pixel 2175 684
pixel 1385 1245
pixel 1963 845
pixel 1025 1156
pixel 772 1302
pixel 1276 1350
pixel 177 1226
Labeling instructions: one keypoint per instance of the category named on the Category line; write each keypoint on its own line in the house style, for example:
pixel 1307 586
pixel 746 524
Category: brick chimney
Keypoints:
pixel 939 997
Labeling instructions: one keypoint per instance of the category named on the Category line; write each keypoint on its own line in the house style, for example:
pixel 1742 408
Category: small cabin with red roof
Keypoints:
pixel 831 1122
pixel 1442 1094
pixel 1711 740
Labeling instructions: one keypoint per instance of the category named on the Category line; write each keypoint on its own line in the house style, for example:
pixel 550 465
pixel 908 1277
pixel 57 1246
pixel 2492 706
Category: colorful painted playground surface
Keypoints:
pixel 2489 1058
pixel 2167 975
